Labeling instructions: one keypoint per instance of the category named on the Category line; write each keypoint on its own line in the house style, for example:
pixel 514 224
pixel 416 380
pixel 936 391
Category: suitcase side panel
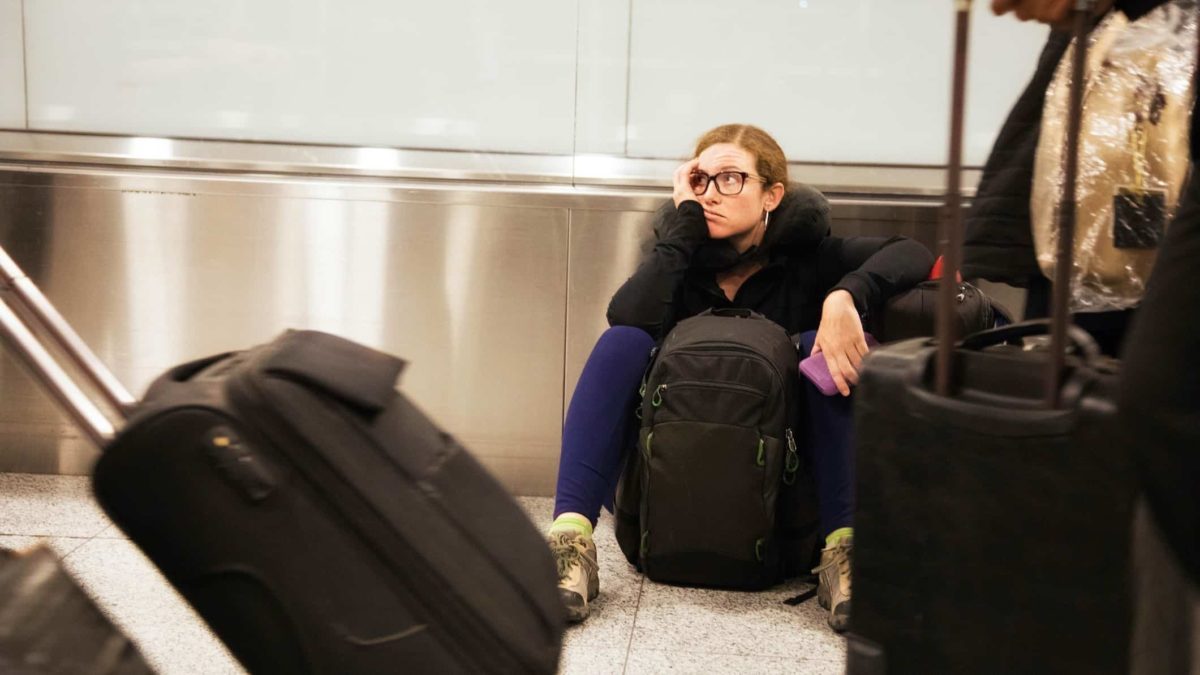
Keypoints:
pixel 278 577
pixel 350 542
pixel 420 487
pixel 999 543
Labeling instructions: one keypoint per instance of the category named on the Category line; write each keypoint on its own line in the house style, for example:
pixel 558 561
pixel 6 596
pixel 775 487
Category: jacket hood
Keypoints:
pixel 800 221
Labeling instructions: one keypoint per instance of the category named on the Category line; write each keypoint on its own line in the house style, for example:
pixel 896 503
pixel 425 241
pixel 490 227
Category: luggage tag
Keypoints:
pixel 1139 217
pixel 1140 212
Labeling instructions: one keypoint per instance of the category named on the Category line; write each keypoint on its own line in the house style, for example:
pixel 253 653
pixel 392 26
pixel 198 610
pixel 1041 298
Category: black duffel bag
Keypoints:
pixel 913 313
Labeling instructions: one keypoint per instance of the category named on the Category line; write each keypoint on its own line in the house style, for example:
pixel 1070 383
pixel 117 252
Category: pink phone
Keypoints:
pixel 817 371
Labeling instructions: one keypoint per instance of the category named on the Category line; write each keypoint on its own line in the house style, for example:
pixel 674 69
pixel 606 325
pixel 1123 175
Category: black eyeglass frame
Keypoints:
pixel 710 179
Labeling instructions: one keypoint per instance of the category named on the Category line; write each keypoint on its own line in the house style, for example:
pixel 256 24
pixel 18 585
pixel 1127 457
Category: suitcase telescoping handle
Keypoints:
pixel 950 240
pixel 24 342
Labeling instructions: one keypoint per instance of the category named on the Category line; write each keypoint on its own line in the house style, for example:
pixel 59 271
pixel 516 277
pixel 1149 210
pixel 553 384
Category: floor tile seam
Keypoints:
pixel 42 534
pixel 818 659
pixel 633 624
pixel 117 533
pixel 734 651
pixel 77 546
pixel 26 535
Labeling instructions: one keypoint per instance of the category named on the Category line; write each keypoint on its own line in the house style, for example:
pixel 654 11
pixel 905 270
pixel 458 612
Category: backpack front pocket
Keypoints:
pixel 732 403
pixel 709 498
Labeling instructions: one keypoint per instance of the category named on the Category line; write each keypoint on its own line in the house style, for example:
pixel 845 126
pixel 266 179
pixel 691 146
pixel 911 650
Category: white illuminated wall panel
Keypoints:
pixel 603 70
pixel 12 67
pixel 453 74
pixel 832 80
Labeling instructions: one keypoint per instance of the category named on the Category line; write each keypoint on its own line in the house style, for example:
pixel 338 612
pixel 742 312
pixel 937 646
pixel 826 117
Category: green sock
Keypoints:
pixel 572 521
pixel 838 535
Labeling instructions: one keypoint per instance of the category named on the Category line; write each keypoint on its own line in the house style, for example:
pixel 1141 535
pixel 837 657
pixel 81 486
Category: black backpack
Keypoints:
pixel 913 313
pixel 717 492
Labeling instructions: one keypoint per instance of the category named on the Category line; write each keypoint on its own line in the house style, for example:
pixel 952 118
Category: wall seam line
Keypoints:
pixel 562 417
pixel 25 64
pixel 575 109
pixel 628 72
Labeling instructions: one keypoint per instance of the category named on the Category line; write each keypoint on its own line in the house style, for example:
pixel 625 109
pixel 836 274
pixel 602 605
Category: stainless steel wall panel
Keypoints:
pixel 604 252
pixel 500 170
pixel 474 296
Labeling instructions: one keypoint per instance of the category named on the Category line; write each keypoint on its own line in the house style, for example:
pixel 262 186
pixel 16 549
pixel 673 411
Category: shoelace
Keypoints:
pixel 841 558
pixel 566 554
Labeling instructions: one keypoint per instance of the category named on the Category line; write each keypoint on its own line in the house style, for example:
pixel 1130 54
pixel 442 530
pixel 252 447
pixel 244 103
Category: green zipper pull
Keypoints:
pixel 762 452
pixel 658 395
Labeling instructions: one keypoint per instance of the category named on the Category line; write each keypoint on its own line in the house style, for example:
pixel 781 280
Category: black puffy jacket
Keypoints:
pixel 802 264
pixel 998 244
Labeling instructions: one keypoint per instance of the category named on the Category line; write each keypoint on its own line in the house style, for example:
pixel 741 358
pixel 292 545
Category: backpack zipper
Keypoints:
pixel 740 349
pixel 791 462
pixel 660 391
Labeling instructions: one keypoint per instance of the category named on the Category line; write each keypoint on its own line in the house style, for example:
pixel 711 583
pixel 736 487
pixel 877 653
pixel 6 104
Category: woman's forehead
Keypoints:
pixel 725 156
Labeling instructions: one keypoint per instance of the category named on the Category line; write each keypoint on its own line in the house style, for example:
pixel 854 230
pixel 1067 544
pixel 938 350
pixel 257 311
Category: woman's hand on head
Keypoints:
pixel 682 183
pixel 840 337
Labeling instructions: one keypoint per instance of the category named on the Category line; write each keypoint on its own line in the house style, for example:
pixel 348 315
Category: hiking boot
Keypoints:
pixel 578 572
pixel 833 582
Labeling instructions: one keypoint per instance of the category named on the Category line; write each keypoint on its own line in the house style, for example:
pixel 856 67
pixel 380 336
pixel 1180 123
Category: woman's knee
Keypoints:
pixel 807 340
pixel 619 341
pixel 626 335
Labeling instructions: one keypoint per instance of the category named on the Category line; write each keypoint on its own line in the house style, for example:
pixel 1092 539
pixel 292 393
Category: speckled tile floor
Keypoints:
pixel 637 626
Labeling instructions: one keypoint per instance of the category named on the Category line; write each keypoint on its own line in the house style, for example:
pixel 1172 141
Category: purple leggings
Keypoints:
pixel 600 428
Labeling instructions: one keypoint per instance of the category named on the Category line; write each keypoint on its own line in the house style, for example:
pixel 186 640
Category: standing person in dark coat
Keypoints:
pixel 1160 405
pixel 732 238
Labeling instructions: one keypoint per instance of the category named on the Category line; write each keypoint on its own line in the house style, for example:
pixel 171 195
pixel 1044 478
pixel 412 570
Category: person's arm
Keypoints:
pixel 861 273
pixel 1057 13
pixel 871 269
pixel 647 299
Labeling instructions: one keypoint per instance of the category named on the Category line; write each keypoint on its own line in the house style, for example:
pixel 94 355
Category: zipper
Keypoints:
pixel 637 412
pixel 740 349
pixel 703 384
pixel 660 392
pixel 646 372
pixel 791 462
pixel 426 587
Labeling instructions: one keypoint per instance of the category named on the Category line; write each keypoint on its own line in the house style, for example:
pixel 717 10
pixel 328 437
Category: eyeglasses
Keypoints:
pixel 729 183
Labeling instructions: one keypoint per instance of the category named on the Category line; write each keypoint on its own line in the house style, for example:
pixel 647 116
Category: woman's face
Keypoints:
pixel 735 217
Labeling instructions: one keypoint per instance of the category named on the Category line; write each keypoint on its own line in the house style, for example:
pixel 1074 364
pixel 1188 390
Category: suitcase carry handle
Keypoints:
pixel 46 370
pixel 16 287
pixel 950 239
pixel 1018 422
pixel 1079 338
pixel 733 312
pixel 360 376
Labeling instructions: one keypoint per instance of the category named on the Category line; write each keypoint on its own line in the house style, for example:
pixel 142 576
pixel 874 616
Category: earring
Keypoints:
pixel 766 218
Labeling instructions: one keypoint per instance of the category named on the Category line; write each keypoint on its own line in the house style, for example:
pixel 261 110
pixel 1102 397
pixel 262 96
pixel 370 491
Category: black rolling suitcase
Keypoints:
pixel 994 493
pixel 315 518
pixel 48 624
